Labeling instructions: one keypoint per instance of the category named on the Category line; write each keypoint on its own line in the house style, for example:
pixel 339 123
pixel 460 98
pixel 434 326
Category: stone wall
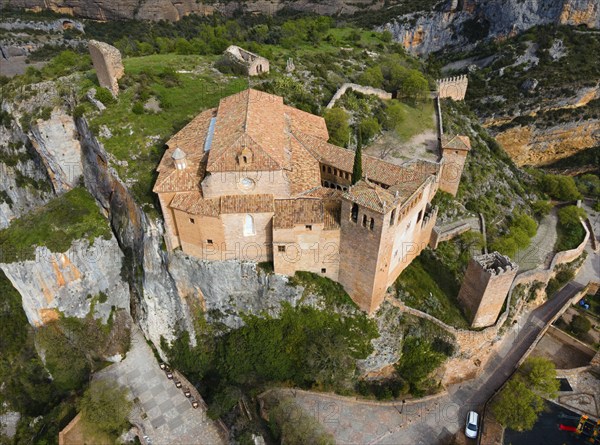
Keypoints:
pixel 439 234
pixel 453 162
pixel 108 65
pixel 452 87
pixel 361 89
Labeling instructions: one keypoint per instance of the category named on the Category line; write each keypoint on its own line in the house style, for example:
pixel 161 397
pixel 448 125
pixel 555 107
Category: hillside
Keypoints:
pixel 537 93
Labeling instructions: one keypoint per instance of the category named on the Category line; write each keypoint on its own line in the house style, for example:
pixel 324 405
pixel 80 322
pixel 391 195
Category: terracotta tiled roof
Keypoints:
pixel 307 123
pixel 371 196
pixel 190 140
pixel 195 204
pixel 247 204
pixel 323 193
pixel 305 174
pixel 456 142
pixel 251 119
pixel 290 212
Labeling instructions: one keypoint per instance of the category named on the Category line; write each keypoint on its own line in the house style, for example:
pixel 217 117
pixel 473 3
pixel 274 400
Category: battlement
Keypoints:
pixel 452 87
pixel 495 263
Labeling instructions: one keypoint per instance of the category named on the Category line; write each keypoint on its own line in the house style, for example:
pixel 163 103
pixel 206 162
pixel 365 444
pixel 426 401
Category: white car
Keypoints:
pixel 471 428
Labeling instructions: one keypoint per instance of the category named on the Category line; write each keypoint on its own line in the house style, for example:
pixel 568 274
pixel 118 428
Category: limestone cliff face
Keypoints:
pixel 173 10
pixel 461 23
pixel 71 281
pixel 20 171
pixel 529 145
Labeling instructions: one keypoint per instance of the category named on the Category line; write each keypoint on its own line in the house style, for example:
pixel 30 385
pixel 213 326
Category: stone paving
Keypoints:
pixel 161 410
pixel 541 246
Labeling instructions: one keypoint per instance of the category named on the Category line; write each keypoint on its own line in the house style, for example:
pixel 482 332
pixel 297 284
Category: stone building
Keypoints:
pixel 251 64
pixel 255 179
pixel 107 62
pixel 485 287
pixel 454 149
pixel 453 87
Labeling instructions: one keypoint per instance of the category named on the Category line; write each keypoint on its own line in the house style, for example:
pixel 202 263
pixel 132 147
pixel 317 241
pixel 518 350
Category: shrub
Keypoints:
pixel 338 127
pixel 580 325
pixel 105 96
pixel 562 188
pixel 418 360
pixel 138 108
pixel 570 231
pixel 104 408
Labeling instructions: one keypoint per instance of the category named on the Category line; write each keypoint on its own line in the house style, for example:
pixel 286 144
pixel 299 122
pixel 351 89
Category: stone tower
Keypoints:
pixel 485 287
pixel 454 150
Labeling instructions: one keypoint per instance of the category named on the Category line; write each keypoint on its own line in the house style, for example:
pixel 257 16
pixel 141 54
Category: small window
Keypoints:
pixel 393 217
pixel 249 225
pixel 308 227
pixel 364 221
pixel 419 216
pixel 354 213
pixel 245 159
pixel 281 248
pixel 372 224
pixel 328 169
pixel 192 220
pixel 323 270
pixel 209 241
pixel 323 168
pixel 335 171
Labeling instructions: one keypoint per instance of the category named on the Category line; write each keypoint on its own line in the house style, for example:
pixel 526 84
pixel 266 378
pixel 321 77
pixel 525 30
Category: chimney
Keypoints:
pixel 179 158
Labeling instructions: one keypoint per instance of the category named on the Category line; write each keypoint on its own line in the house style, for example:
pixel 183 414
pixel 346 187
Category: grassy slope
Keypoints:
pixel 416 120
pixel 71 216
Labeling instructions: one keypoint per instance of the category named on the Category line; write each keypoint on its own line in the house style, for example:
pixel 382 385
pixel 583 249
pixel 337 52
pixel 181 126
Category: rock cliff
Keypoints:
pixel 172 10
pixel 459 24
pixel 72 282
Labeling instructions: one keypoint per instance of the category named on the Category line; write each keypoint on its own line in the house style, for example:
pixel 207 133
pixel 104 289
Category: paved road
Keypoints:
pixel 430 422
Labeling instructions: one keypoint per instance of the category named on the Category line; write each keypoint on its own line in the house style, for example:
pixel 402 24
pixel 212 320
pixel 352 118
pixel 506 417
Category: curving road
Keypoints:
pixel 428 422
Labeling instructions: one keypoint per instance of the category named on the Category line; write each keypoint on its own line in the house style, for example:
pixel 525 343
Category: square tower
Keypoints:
pixel 485 287
pixel 454 154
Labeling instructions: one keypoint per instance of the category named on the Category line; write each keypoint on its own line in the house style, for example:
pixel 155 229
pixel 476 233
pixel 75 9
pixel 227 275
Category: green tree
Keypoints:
pixel 540 376
pixel 580 325
pixel 104 408
pixel 292 425
pixel 394 115
pixel 541 209
pixel 418 360
pixel 372 77
pixel 517 407
pixel 562 188
pixel 368 129
pixel 338 127
pixel 357 171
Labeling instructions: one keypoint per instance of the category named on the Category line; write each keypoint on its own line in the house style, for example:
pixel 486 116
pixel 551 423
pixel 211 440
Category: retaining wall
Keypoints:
pixel 361 89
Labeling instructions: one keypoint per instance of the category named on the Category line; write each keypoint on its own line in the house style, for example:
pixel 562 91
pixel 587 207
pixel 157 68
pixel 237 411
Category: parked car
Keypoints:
pixel 471 429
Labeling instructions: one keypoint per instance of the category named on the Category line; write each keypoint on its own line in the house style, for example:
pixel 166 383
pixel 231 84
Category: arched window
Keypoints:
pixel 354 213
pixel 328 169
pixel 372 224
pixel 249 225
pixel 364 221
pixel 245 159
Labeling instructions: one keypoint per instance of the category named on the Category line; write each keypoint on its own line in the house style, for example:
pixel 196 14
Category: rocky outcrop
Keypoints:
pixel 71 282
pixel 155 302
pixel 172 10
pixel 529 145
pixel 226 289
pixel 459 24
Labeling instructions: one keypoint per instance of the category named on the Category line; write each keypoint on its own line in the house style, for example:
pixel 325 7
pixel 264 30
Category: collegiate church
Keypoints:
pixel 254 179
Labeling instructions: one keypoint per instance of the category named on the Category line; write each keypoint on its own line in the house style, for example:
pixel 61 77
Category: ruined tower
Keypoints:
pixel 485 287
pixel 107 62
pixel 452 87
pixel 454 150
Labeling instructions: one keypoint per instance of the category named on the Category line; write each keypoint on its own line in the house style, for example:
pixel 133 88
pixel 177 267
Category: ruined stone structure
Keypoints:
pixel 453 87
pixel 361 89
pixel 485 287
pixel 256 180
pixel 107 62
pixel 251 64
pixel 454 151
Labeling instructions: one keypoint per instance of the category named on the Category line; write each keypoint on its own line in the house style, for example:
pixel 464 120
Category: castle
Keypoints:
pixel 254 179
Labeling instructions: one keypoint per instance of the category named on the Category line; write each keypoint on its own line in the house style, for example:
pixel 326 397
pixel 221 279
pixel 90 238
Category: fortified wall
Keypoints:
pixel 453 87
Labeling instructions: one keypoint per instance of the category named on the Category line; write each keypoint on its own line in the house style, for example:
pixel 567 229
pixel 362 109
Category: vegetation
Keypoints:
pixel 521 229
pixel 419 359
pixel 580 325
pixel 561 188
pixel 431 282
pixel 104 408
pixel 357 172
pixel 570 231
pixel 520 402
pixel 56 225
pixel 290 424
pixel 338 127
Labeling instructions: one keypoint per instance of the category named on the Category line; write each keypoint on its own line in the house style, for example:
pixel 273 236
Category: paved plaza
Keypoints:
pixel 161 410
